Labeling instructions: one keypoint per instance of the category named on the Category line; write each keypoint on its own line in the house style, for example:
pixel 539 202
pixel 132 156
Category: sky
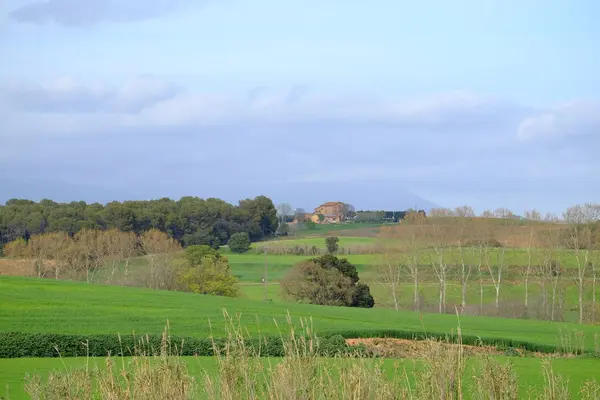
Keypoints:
pixel 384 104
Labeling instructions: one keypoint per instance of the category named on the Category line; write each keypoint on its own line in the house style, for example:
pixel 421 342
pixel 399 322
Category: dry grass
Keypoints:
pixel 513 236
pixel 17 267
pixel 301 374
pixel 403 348
pixel 151 374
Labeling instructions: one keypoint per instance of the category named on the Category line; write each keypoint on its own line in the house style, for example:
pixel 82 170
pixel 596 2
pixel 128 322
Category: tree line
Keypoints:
pixel 189 221
pixel 473 253
pixel 95 255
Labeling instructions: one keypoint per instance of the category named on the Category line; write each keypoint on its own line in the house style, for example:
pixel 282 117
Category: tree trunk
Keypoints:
pixel 416 294
pixel 581 303
pixel 527 291
pixel 593 293
pixel 497 297
pixel 394 296
pixel 480 294
pixel 463 297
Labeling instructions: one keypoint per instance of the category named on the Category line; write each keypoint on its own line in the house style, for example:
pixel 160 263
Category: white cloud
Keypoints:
pixel 90 12
pixel 451 142
pixel 577 118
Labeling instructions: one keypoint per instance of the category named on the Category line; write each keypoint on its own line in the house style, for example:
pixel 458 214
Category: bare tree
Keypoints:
pixel 495 271
pixel 503 213
pixel 402 254
pixel 349 211
pixel 439 263
pixel 528 268
pixel 550 217
pixel 90 253
pixel 465 267
pixel 160 251
pixel 464 212
pixel 441 212
pixel 487 214
pixel 533 215
pixel 284 210
pixel 390 268
pixel 549 268
pixel 580 220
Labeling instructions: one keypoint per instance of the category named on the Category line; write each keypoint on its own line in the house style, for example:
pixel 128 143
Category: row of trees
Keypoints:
pixel 105 255
pixel 456 250
pixel 190 220
pixel 502 213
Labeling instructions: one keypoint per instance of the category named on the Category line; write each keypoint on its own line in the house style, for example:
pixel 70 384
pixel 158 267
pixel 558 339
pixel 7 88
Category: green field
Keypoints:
pixel 319 242
pixel 49 306
pixel 31 305
pixel 577 371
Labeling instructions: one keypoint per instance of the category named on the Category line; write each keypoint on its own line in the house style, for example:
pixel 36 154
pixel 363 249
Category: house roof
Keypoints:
pixel 331 203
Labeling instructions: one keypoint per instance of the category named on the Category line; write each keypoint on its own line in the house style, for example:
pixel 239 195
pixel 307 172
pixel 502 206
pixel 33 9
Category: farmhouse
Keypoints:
pixel 332 211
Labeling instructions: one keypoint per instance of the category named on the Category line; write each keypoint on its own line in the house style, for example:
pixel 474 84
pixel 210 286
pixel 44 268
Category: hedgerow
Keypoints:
pixel 44 345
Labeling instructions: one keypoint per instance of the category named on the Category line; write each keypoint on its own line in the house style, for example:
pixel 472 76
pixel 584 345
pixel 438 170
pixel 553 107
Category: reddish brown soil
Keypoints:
pixel 402 348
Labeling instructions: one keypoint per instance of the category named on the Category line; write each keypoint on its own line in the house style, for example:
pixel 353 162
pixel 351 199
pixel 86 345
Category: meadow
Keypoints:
pixel 529 371
pixel 46 306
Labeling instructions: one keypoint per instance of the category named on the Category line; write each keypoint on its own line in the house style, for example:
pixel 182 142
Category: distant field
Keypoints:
pixel 31 305
pixel 319 242
pixel 350 229
pixel 576 371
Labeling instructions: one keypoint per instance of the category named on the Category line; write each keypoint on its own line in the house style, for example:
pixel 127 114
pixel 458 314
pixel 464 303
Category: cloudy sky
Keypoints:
pixel 384 104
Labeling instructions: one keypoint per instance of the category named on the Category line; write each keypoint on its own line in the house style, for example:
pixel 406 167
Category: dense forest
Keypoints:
pixel 190 220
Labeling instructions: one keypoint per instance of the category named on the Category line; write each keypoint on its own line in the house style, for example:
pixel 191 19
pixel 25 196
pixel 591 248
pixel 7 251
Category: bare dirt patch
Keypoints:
pixel 403 348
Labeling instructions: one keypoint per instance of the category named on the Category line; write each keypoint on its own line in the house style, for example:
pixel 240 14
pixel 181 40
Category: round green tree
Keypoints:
pixel 239 242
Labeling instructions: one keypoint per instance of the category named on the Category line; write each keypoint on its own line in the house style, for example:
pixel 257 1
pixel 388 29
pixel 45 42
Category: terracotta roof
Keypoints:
pixel 331 203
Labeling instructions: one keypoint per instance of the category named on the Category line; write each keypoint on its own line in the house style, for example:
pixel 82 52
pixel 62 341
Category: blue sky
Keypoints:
pixel 384 104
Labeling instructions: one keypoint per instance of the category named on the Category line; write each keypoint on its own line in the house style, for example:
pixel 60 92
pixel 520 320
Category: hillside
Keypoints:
pixel 48 306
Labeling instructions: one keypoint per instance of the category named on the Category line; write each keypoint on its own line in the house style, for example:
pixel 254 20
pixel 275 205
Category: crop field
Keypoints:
pixel 114 305
pixel 576 371
pixel 47 306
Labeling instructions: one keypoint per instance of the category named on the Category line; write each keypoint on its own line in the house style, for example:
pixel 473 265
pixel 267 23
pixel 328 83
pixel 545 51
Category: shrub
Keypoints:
pixel 43 345
pixel 362 296
pixel 308 282
pixel 211 277
pixel 196 253
pixel 332 244
pixel 327 280
pixel 239 242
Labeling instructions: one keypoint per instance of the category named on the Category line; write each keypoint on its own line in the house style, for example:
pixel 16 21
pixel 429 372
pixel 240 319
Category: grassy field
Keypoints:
pixel 576 371
pixel 30 305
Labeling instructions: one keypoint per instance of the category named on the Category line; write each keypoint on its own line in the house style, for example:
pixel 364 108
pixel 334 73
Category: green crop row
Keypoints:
pixel 43 345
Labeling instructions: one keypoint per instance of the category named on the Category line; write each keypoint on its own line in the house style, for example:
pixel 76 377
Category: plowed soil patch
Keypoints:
pixel 403 348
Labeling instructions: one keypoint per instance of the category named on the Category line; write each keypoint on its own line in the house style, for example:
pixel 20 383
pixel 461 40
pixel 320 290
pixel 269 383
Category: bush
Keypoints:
pixel 332 244
pixel 42 345
pixel 362 296
pixel 327 280
pixel 239 242
pixel 196 253
pixel 211 277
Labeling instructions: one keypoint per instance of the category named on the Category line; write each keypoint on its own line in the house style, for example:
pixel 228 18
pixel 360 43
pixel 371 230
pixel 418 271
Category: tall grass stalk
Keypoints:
pixel 302 373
